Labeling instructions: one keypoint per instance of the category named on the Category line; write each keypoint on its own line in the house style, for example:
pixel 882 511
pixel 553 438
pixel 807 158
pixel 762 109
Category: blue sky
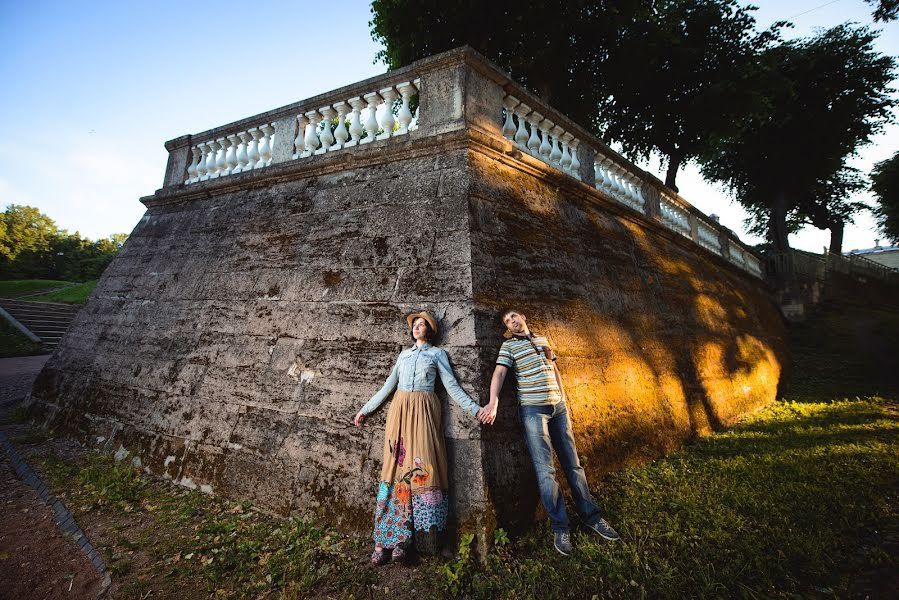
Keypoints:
pixel 91 90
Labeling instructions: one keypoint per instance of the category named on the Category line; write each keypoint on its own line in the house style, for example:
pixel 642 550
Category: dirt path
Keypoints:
pixel 36 559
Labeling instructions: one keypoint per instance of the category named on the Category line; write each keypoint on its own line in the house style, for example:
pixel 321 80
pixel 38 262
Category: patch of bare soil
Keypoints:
pixel 36 559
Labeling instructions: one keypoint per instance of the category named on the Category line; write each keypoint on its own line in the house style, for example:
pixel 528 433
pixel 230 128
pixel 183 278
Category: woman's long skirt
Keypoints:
pixel 412 496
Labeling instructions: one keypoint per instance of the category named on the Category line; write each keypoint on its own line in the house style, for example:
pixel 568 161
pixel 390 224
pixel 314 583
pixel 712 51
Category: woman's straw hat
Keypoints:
pixel 426 316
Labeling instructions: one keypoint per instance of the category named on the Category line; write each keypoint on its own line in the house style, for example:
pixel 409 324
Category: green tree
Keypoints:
pixel 885 185
pixel 826 97
pixel 887 10
pixel 32 246
pixel 665 75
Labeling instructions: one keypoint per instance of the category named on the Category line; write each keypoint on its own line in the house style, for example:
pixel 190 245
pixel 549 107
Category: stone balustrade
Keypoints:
pixel 387 108
pixel 540 137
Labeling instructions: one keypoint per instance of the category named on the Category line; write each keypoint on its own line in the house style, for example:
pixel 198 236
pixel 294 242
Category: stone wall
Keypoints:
pixel 235 336
pixel 248 317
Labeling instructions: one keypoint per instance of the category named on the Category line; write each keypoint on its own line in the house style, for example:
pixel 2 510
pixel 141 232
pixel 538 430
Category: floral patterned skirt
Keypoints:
pixel 412 495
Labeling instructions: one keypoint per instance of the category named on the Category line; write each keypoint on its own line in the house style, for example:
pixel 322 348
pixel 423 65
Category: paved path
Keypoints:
pixel 16 376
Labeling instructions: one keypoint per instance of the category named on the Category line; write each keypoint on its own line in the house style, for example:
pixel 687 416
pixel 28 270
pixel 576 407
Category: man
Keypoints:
pixel 544 417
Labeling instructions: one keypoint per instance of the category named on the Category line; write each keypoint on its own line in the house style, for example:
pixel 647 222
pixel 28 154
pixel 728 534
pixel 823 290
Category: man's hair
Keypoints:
pixel 507 312
pixel 429 333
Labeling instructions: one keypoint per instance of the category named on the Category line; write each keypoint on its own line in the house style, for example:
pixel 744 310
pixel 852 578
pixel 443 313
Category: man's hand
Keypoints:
pixel 357 420
pixel 487 414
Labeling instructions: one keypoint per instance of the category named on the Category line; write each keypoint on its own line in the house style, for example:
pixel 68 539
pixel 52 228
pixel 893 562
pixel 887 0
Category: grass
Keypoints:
pixel 800 500
pixel 77 294
pixel 12 289
pixel 14 343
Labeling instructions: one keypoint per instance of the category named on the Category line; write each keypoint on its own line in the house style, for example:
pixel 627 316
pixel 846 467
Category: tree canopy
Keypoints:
pixel 885 185
pixel 665 75
pixel 826 97
pixel 32 246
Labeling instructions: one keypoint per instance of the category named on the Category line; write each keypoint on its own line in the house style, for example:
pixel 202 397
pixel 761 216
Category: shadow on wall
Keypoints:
pixel 657 341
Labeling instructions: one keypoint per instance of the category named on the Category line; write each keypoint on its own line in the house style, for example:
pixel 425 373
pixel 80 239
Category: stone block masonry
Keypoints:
pixel 250 314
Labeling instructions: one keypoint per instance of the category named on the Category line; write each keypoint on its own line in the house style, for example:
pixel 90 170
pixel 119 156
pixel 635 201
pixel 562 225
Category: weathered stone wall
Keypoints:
pixel 658 340
pixel 248 317
pixel 235 336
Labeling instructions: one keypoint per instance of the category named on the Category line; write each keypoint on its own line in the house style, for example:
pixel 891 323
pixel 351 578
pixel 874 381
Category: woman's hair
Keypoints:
pixel 429 333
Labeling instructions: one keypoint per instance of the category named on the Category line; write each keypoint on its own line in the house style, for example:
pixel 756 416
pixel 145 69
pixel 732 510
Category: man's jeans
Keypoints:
pixel 549 424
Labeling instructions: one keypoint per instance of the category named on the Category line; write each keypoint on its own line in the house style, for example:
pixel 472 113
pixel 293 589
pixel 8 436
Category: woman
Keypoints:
pixel 412 496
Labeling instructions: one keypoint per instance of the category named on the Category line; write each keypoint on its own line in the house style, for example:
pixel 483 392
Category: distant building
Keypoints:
pixel 887 256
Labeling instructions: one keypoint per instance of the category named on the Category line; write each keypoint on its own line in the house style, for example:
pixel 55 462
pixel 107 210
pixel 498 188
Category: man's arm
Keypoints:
pixel 559 380
pixel 487 414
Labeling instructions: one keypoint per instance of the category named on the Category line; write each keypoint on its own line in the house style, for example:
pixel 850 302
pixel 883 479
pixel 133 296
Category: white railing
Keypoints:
pixel 753 264
pixel 619 183
pixel 236 153
pixel 560 153
pixel 342 124
pixel 674 215
pixel 357 121
pixel 707 236
pixel 737 255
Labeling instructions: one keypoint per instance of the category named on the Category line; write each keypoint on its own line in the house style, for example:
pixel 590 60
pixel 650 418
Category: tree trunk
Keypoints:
pixel 836 236
pixel 674 161
pixel 777 223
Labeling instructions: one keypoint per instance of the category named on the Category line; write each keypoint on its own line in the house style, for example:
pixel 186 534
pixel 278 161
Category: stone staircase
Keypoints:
pixel 46 320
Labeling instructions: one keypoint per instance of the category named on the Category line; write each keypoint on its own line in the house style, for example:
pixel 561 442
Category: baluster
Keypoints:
pixel 534 140
pixel 192 168
pixel 224 162
pixel 566 155
pixel 211 168
pixel 231 159
pixel 253 151
pixel 371 121
pixel 265 152
pixel 326 137
pixel 220 160
pixel 545 147
pixel 340 133
pixel 311 138
pixel 521 134
pixel 510 102
pixel 298 143
pixel 242 157
pixel 405 115
pixel 611 169
pixel 599 173
pixel 556 154
pixel 575 166
pixel 387 121
pixel 355 125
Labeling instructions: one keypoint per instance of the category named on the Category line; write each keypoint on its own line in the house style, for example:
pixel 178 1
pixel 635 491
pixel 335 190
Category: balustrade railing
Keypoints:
pixel 378 115
pixel 533 133
pixel 385 108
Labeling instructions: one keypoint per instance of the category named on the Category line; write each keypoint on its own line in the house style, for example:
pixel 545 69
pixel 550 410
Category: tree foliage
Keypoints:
pixel 664 75
pixel 33 247
pixel 885 185
pixel 886 10
pixel 826 97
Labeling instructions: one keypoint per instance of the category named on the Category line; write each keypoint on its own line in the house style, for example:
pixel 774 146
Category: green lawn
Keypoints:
pixel 800 500
pixel 77 294
pixel 12 289
pixel 13 343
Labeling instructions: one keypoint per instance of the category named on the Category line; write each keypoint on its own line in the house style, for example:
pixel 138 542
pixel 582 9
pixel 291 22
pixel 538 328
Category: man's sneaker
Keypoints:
pixel 562 542
pixel 603 529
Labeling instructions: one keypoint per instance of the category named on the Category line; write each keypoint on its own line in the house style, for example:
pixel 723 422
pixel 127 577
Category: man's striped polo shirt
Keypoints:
pixel 532 360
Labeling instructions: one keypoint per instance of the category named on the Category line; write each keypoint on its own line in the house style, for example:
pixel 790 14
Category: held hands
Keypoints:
pixel 487 414
pixel 357 420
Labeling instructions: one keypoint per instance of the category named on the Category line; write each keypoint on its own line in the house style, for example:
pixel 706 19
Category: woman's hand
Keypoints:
pixel 487 414
pixel 357 420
